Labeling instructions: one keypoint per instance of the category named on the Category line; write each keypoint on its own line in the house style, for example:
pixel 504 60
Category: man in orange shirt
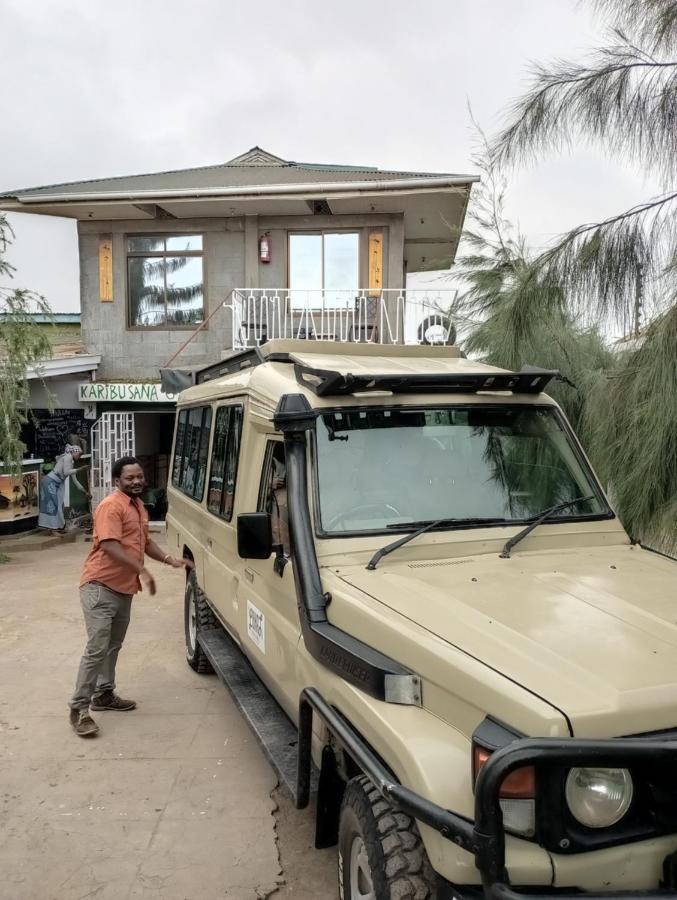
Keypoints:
pixel 114 571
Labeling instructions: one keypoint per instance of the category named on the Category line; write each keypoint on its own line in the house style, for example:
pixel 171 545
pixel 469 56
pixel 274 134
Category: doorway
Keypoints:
pixel 153 436
pixel 148 435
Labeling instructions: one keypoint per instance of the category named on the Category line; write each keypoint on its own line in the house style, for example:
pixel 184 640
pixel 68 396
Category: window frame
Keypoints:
pixel 231 407
pixel 163 254
pixel 179 413
pixel 272 442
pixel 322 232
pixel 268 451
pixel 178 485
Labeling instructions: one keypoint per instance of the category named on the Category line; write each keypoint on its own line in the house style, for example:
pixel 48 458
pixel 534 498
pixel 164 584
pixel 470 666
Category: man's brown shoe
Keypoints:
pixel 83 724
pixel 112 701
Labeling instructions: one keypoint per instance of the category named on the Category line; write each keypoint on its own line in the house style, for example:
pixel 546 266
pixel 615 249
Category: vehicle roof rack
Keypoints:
pixel 236 362
pixel 326 383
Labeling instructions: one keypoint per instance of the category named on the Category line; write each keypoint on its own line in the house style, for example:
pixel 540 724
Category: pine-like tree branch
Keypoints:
pixel 622 99
pixel 653 22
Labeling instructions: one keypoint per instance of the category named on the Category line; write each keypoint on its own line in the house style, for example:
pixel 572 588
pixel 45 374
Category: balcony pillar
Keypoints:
pixel 395 279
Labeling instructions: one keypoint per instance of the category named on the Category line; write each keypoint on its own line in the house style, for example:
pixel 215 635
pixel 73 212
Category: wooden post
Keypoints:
pixel 106 269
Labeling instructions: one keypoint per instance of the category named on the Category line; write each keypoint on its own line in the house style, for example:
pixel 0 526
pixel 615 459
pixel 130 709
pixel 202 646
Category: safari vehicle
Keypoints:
pixel 410 553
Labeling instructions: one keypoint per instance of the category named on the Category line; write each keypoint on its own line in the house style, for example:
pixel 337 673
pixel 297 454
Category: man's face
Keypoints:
pixel 132 480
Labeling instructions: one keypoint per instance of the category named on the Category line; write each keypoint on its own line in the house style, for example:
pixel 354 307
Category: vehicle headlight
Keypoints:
pixel 598 798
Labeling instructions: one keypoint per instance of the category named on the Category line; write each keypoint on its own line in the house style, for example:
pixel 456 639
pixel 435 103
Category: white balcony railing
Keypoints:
pixel 391 316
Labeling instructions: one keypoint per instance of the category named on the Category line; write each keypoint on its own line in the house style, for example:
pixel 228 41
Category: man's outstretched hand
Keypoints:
pixel 180 563
pixel 147 581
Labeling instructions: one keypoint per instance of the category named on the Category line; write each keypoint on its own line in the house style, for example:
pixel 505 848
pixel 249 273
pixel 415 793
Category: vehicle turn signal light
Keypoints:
pixel 519 785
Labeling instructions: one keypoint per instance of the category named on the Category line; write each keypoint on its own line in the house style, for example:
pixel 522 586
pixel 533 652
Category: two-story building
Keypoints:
pixel 179 268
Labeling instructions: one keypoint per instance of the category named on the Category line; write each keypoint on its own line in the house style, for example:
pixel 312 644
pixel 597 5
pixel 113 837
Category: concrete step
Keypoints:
pixel 35 540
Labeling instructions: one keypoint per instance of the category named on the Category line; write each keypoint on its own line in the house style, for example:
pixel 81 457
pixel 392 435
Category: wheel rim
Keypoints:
pixel 192 620
pixel 361 884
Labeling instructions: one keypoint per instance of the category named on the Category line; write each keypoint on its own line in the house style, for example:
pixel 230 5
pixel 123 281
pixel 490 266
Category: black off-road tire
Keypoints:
pixel 205 619
pixel 399 866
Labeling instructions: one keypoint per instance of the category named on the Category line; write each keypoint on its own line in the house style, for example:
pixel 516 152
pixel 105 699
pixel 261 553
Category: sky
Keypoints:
pixel 94 90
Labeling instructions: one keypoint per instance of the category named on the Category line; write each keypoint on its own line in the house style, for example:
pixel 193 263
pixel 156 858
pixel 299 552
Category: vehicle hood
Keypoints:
pixel 593 632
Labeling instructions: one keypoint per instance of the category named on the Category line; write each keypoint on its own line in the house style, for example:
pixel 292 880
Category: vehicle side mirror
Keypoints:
pixel 254 535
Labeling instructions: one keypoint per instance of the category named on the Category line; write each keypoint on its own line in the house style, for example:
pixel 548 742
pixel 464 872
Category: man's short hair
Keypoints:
pixel 119 464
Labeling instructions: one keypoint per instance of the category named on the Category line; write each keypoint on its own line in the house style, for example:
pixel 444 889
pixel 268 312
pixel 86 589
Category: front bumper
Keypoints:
pixel 485 837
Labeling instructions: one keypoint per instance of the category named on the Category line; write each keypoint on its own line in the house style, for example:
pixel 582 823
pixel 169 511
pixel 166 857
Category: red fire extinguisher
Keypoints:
pixel 264 248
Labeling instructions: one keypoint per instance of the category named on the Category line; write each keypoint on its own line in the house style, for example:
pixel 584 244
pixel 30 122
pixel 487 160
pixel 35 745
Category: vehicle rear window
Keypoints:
pixel 225 454
pixel 191 448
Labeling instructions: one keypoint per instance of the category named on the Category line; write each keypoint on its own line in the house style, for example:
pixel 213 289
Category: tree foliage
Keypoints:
pixel 616 401
pixel 545 309
pixel 630 428
pixel 624 98
pixel 521 313
pixel 23 344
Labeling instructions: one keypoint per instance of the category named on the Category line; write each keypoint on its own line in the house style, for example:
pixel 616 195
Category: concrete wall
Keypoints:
pixel 62 332
pixel 63 392
pixel 231 260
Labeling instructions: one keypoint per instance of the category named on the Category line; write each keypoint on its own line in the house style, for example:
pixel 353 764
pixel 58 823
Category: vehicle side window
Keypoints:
pixel 273 493
pixel 218 460
pixel 232 457
pixel 190 455
pixel 201 467
pixel 225 455
pixel 181 421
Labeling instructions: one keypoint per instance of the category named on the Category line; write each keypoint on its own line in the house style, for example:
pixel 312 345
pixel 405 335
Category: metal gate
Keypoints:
pixel 112 437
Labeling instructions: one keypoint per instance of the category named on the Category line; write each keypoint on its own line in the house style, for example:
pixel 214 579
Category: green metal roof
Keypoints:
pixel 255 167
pixel 56 318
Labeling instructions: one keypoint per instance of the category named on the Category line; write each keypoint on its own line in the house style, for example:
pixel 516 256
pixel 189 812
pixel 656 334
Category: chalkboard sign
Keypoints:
pixel 53 432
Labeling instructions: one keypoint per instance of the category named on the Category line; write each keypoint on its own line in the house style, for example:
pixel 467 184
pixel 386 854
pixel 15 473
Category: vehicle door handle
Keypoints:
pixel 249 575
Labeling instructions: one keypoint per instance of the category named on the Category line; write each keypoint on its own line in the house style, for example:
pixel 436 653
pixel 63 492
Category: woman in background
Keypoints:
pixel 52 489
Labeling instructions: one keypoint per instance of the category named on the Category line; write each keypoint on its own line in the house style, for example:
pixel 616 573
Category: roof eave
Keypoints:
pixel 308 189
pixel 66 365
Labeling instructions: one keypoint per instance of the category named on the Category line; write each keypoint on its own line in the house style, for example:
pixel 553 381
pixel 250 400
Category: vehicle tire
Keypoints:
pixel 380 852
pixel 198 616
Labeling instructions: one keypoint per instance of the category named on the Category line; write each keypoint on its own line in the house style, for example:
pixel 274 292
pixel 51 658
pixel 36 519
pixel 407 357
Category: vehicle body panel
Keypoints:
pixel 592 631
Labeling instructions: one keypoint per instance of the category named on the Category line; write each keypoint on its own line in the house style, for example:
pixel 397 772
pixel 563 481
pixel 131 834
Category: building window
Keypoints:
pixel 225 454
pixel 324 268
pixel 165 280
pixel 190 450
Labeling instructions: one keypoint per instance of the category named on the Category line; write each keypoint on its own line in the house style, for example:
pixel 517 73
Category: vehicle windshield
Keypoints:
pixel 380 469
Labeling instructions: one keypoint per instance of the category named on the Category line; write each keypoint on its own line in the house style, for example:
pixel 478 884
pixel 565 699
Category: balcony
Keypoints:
pixel 390 316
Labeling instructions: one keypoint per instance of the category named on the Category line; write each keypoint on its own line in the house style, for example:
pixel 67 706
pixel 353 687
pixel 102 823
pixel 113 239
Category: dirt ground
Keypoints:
pixel 173 801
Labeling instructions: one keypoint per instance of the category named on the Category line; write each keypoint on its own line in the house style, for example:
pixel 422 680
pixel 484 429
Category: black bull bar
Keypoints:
pixel 485 837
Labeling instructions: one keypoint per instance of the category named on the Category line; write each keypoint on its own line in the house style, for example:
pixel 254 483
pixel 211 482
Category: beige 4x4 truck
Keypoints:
pixel 410 552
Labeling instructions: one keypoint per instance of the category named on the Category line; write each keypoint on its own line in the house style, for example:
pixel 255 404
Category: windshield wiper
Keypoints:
pixel 424 526
pixel 541 517
pixel 469 520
